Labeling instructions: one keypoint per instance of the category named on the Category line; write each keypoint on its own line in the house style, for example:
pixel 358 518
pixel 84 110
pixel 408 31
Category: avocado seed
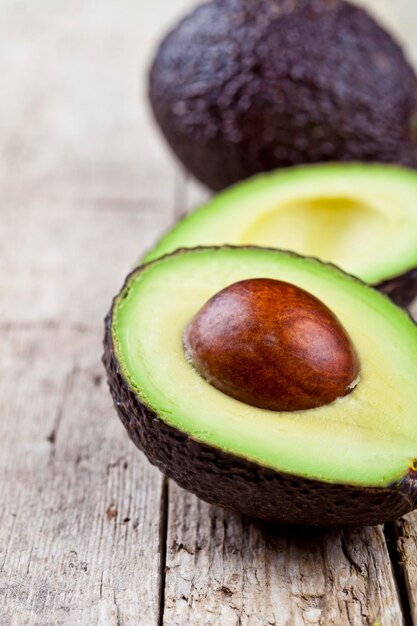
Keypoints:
pixel 272 345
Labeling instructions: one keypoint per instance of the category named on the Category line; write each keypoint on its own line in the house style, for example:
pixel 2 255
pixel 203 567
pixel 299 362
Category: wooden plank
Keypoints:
pixel 223 569
pixel 85 188
pixel 80 507
pixel 406 545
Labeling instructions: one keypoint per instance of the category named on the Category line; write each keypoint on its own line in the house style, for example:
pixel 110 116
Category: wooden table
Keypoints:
pixel 90 533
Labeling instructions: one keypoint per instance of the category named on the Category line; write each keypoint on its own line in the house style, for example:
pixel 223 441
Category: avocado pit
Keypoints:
pixel 272 345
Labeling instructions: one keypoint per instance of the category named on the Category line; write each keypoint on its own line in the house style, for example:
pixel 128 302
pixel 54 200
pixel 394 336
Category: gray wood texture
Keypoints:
pixel 90 533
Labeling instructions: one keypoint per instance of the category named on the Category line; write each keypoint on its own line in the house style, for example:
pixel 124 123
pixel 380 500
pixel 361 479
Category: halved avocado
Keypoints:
pixel 350 462
pixel 361 217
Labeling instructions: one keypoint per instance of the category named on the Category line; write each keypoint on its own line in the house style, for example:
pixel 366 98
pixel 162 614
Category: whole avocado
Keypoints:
pixel 242 87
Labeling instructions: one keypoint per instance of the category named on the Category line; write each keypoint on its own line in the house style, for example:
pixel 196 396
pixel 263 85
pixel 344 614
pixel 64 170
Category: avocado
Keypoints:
pixel 352 461
pixel 242 87
pixel 361 217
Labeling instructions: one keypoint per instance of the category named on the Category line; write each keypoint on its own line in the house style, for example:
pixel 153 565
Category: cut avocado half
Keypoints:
pixel 360 217
pixel 352 461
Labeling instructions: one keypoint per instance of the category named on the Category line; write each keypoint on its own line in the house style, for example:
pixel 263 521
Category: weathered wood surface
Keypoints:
pixel 88 532
pixel 225 569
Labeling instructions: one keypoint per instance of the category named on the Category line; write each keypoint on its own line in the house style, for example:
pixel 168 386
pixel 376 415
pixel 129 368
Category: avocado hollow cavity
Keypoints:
pixel 300 466
pixel 336 229
pixel 360 217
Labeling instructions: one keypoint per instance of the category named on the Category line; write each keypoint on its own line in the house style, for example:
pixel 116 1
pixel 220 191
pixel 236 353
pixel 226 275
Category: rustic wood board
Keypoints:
pixel 90 533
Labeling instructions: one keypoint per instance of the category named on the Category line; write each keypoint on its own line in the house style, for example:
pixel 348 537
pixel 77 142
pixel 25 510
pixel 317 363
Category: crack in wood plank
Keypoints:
pixel 163 528
pixel 404 541
pixel 68 385
pixel 393 539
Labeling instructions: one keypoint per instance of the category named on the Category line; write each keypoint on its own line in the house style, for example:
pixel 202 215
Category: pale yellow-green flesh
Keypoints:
pixel 367 438
pixel 361 217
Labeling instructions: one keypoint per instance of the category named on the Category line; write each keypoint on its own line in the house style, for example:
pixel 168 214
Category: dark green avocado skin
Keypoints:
pixel 234 482
pixel 240 87
pixel 402 289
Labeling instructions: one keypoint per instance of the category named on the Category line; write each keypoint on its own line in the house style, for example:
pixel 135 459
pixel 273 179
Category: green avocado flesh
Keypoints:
pixel 360 217
pixel 367 438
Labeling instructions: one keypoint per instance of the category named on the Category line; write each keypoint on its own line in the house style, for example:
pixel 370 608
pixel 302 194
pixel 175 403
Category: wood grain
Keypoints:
pixel 86 185
pixel 79 509
pixel 80 539
pixel 223 569
pixel 406 546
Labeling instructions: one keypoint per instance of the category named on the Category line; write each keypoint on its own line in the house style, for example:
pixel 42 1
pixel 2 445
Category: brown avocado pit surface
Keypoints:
pixel 272 345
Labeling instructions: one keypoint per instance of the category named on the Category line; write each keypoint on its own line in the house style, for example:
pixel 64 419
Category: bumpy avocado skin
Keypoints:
pixel 402 289
pixel 233 482
pixel 242 87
